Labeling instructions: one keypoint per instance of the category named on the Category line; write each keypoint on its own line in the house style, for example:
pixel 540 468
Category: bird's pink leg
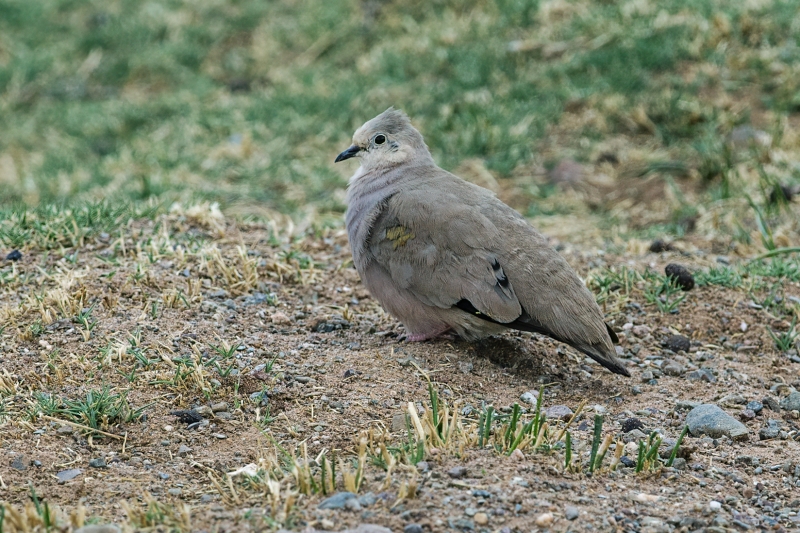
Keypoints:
pixel 417 337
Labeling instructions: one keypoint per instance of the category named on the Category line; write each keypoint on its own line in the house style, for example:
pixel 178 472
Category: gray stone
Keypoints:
pixel 677 343
pixel 733 399
pixel 412 528
pixel 177 491
pixel 674 369
pixel 771 430
pixel 98 462
pixel 701 374
pixel 67 475
pixel 771 403
pixel 457 472
pixel 423 466
pixel 710 420
pixel 399 422
pixel 368 528
pixel 368 500
pixel 99 528
pixel 558 412
pixel 571 513
pixel 19 463
pixel 530 397
pixel 218 407
pixel 337 501
pixel 755 406
pixel 352 504
pixel 184 450
pixel 791 402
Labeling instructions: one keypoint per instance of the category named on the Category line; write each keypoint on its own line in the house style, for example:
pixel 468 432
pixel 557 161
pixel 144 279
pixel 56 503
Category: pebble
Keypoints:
pixel 530 397
pixel 481 519
pixel 771 403
pixel 571 512
pixel 673 369
pixel 647 375
pixel 184 450
pixel 399 422
pixel 219 406
pixel 220 436
pixel 681 275
pixel 791 402
pixel 412 528
pixel 465 367
pixel 67 475
pixel 710 420
pixel 367 500
pixel 733 399
pixel 99 528
pixel 686 405
pixel 558 412
pixel 204 411
pixel 19 463
pixel 641 331
pixel 177 491
pixel 337 501
pixel 702 374
pixel 98 463
pixel 770 431
pixel 755 406
pixel 677 343
pixel 632 423
pixel 352 504
pixel 457 472
pixel 423 466
pixel 544 520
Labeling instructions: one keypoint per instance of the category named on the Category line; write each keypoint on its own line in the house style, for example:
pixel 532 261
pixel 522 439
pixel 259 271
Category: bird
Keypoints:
pixel 443 255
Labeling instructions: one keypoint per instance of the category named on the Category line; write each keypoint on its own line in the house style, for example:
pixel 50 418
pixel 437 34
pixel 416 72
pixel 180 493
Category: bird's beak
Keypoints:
pixel 347 154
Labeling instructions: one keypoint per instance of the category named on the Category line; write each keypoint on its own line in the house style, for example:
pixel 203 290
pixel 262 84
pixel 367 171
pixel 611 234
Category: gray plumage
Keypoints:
pixel 440 253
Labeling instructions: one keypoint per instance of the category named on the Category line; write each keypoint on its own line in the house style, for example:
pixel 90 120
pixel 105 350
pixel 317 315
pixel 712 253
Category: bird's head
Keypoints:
pixel 385 141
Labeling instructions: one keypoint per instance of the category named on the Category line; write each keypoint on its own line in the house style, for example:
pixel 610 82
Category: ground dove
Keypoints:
pixel 440 253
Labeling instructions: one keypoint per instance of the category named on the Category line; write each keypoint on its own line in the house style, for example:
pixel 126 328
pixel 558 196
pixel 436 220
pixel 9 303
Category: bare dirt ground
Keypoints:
pixel 291 368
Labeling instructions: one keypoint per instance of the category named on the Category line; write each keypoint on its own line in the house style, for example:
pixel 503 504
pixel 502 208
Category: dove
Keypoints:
pixel 442 255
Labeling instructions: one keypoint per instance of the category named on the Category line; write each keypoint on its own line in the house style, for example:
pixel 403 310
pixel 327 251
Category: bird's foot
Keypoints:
pixel 418 337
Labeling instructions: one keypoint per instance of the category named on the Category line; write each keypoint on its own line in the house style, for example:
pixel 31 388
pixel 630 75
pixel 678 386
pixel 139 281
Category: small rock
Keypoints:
pixel 184 450
pixel 204 411
pixel 350 373
pixel 14 255
pixel 791 402
pixel 680 275
pixel 368 500
pixel 457 472
pixel 352 504
pixel 544 520
pixel 747 136
pixel 337 501
pixel 677 343
pixel 177 491
pixel 747 414
pixel 99 528
pixel 755 406
pixel 558 412
pixel 673 369
pixel 710 420
pixel 465 367
pixel 67 475
pixel 647 375
pixel 641 331
pixel 632 423
pixel 658 246
pixel 679 463
pixel 399 422
pixel 98 463
pixel 412 528
pixel 423 466
pixel 18 463
pixel 530 397
pixel 702 374
pixel 771 404
pixel 733 399
pixel 571 513
pixel 647 498
pixel 219 406
pixel 481 519
pixel 220 436
pixel 627 461
pixel 771 431
pixel 67 430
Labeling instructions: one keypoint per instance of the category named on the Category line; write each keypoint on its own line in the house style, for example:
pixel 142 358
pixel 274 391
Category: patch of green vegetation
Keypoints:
pixel 97 410
pixel 248 102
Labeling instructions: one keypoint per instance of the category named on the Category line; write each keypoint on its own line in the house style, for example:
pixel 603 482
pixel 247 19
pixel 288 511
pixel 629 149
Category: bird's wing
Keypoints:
pixel 441 249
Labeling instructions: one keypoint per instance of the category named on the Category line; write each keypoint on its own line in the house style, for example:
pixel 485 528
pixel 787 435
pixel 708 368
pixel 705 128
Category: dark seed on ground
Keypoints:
pixel 680 275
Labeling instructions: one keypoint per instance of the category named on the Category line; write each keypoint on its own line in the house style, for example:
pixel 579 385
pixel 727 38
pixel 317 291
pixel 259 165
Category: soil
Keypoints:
pixel 340 371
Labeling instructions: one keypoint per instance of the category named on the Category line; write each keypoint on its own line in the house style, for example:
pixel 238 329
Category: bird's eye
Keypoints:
pixel 380 139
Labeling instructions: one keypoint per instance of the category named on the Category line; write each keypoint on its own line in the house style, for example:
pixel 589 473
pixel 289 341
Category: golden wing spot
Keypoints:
pixel 399 235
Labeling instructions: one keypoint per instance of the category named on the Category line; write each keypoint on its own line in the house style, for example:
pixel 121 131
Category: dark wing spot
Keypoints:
pixel 503 281
pixel 495 265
